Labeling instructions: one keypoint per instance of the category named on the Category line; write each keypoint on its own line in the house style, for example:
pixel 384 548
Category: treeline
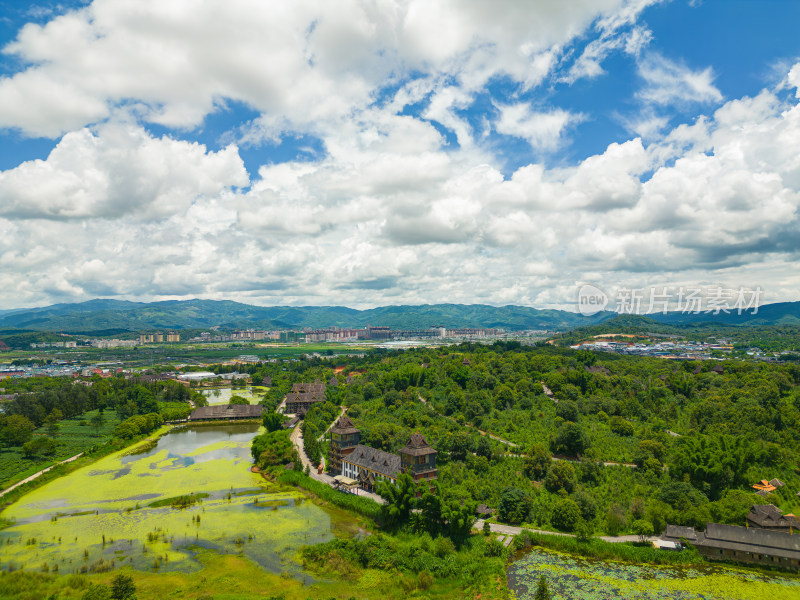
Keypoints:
pixel 140 404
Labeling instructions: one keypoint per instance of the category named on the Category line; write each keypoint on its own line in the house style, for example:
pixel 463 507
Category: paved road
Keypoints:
pixel 511 530
pixel 36 475
pixel 297 440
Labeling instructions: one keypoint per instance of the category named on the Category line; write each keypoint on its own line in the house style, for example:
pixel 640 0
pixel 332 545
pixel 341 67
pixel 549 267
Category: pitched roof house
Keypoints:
pixel 226 412
pixel 769 516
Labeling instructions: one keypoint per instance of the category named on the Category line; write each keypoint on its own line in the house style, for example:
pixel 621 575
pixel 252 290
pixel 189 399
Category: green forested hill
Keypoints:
pixel 96 315
pixel 112 314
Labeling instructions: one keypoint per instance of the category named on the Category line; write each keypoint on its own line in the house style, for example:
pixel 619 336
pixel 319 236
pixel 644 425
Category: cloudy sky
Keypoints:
pixel 374 152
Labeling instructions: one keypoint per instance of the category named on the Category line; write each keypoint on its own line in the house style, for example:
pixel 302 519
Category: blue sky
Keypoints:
pixel 372 153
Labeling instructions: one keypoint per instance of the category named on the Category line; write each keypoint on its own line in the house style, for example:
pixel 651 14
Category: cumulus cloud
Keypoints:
pixel 115 171
pixel 542 130
pixel 316 233
pixel 317 61
pixel 390 213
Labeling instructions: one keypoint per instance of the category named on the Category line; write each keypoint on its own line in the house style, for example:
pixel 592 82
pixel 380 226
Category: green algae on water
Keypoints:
pixel 119 511
pixel 592 579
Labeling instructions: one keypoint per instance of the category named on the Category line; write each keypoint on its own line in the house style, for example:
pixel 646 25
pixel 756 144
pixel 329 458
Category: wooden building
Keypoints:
pixel 741 544
pixel 227 412
pixel 769 516
pixel 418 459
pixel 303 396
pixel 344 438
pixel 369 465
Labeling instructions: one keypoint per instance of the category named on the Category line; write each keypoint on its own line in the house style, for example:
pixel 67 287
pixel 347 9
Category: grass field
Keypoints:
pixel 72 438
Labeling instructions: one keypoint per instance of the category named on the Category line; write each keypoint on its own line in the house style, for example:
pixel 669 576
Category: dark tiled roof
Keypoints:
pixel 317 388
pixel 305 397
pixel 227 411
pixel 676 532
pixel 417 446
pixel 750 539
pixel 770 516
pixel 344 425
pixel 376 460
pixel 333 382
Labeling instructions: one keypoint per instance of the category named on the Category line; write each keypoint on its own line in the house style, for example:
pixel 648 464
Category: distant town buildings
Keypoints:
pixel 159 338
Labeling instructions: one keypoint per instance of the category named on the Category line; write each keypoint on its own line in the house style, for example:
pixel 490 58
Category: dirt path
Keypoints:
pixel 36 475
pixel 512 444
pixel 481 431
pixel 339 416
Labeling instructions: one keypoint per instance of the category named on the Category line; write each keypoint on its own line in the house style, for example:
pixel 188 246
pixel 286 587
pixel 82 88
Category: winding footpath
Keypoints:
pixel 481 431
pixel 512 444
pixel 40 473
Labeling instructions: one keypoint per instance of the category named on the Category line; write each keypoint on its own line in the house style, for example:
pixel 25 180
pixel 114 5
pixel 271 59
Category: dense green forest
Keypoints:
pixel 688 438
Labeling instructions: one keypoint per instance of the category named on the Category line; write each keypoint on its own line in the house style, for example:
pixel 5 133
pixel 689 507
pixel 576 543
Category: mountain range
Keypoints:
pixel 120 315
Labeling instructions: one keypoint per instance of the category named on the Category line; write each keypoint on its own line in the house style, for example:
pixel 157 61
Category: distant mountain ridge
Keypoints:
pixel 96 315
pixel 105 315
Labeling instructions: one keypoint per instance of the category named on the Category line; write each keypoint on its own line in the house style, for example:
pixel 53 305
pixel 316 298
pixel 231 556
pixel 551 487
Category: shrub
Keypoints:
pixel 566 514
pixel 514 506
pixel 615 519
pixel 97 591
pixel 560 476
pixel 620 426
pixel 424 580
pixel 537 463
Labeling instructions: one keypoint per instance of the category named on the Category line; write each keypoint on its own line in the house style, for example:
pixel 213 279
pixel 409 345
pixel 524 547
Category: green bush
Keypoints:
pixel 566 514
pixel 357 504
pixel 561 476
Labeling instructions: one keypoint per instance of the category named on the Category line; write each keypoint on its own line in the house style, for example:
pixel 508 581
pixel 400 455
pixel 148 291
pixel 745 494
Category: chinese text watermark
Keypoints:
pixel 684 299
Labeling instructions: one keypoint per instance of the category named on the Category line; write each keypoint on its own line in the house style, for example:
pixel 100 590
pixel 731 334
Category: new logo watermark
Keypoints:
pixel 591 300
pixel 683 299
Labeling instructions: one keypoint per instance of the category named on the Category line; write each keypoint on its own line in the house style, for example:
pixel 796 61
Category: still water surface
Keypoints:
pixel 102 513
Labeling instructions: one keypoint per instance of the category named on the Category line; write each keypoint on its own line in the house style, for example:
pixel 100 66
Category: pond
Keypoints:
pixel 571 577
pixel 117 511
pixel 254 394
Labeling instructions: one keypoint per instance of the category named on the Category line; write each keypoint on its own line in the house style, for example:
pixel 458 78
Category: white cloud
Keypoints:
pixel 542 130
pixel 318 61
pixel 389 213
pixel 117 170
pixel 668 82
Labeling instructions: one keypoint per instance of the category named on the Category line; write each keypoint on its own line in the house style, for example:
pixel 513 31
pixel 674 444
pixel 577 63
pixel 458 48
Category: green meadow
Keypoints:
pixel 74 435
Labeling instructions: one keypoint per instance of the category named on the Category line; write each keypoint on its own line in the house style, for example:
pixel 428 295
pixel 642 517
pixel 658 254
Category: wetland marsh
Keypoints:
pixel 154 507
pixel 571 577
